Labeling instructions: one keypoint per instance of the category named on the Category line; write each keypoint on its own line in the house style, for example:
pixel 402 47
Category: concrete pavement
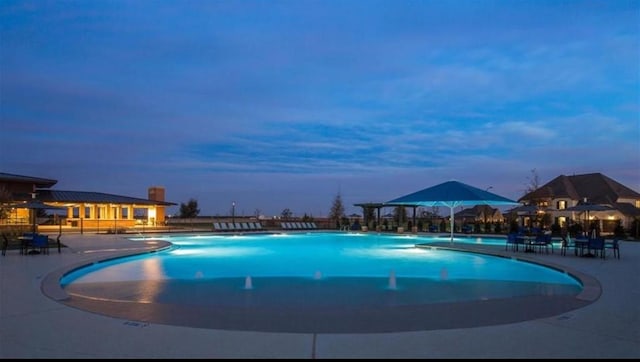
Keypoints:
pixel 34 325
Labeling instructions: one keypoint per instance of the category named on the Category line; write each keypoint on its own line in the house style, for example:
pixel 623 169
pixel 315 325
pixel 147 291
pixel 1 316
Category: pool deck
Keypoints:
pixel 33 324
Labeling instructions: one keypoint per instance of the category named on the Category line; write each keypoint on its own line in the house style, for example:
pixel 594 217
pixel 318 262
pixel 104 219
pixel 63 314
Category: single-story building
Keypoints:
pixel 80 209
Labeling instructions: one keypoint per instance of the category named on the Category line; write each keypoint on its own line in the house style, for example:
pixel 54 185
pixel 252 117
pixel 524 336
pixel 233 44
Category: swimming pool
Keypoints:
pixel 311 278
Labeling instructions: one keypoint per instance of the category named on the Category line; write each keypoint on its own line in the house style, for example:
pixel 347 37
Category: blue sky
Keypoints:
pixel 285 104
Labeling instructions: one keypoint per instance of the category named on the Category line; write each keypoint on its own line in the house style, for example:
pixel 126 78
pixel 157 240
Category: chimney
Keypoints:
pixel 156 193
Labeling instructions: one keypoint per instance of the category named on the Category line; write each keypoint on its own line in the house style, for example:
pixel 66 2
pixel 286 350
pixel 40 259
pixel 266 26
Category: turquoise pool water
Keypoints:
pixel 307 268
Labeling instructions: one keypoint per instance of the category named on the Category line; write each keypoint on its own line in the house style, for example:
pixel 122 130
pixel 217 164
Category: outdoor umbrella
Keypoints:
pixel 526 210
pixel 586 207
pixel 35 205
pixel 523 211
pixel 452 194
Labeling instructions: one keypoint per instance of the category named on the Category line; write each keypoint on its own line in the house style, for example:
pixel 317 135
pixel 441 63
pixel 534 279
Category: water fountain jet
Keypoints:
pixel 248 284
pixel 392 280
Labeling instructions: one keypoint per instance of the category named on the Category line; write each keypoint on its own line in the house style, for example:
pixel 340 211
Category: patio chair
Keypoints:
pixel 597 246
pixel 566 244
pixel 614 246
pixel 511 242
pixel 5 244
pixel 543 241
pixel 40 242
pixel 524 241
pixel 58 244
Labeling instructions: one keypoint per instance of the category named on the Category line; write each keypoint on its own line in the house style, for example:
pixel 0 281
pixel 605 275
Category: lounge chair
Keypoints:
pixel 258 225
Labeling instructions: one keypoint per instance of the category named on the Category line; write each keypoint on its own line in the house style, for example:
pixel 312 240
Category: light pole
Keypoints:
pixel 233 212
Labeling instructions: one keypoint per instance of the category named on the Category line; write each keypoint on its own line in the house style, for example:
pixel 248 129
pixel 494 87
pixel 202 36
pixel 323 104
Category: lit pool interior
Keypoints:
pixel 314 269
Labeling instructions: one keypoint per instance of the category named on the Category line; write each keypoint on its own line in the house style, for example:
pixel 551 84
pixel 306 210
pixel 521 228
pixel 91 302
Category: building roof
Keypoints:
pixel 595 187
pixel 38 181
pixel 94 197
pixel 627 209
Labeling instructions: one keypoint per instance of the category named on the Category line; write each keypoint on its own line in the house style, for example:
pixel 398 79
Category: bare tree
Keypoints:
pixel 286 214
pixel 533 182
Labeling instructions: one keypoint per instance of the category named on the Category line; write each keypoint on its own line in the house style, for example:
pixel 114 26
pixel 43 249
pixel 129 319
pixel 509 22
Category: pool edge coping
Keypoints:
pixel 591 288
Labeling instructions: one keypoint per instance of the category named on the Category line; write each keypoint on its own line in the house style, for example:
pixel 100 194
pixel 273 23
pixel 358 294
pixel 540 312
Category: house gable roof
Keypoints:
pixel 596 187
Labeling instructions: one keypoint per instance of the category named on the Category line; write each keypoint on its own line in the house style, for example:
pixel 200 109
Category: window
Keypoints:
pixel 562 204
pixel 87 212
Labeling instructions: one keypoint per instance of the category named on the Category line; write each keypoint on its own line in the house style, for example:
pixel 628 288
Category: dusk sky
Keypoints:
pixel 285 104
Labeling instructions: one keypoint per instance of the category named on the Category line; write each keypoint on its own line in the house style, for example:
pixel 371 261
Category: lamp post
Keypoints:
pixel 233 212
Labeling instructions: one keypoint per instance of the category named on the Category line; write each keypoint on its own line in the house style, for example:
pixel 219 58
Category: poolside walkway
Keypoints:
pixel 33 325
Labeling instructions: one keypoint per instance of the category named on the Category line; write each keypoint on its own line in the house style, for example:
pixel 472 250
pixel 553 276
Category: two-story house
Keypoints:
pixel 564 192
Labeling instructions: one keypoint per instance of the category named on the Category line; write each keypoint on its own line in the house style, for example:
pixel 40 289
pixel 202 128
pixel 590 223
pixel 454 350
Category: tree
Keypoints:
pixel 369 214
pixel 5 199
pixel 337 210
pixel 400 214
pixel 286 214
pixel 189 209
pixel 533 182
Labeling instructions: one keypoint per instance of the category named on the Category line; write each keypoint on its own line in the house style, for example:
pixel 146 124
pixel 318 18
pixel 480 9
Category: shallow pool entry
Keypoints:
pixel 299 293
pixel 320 283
